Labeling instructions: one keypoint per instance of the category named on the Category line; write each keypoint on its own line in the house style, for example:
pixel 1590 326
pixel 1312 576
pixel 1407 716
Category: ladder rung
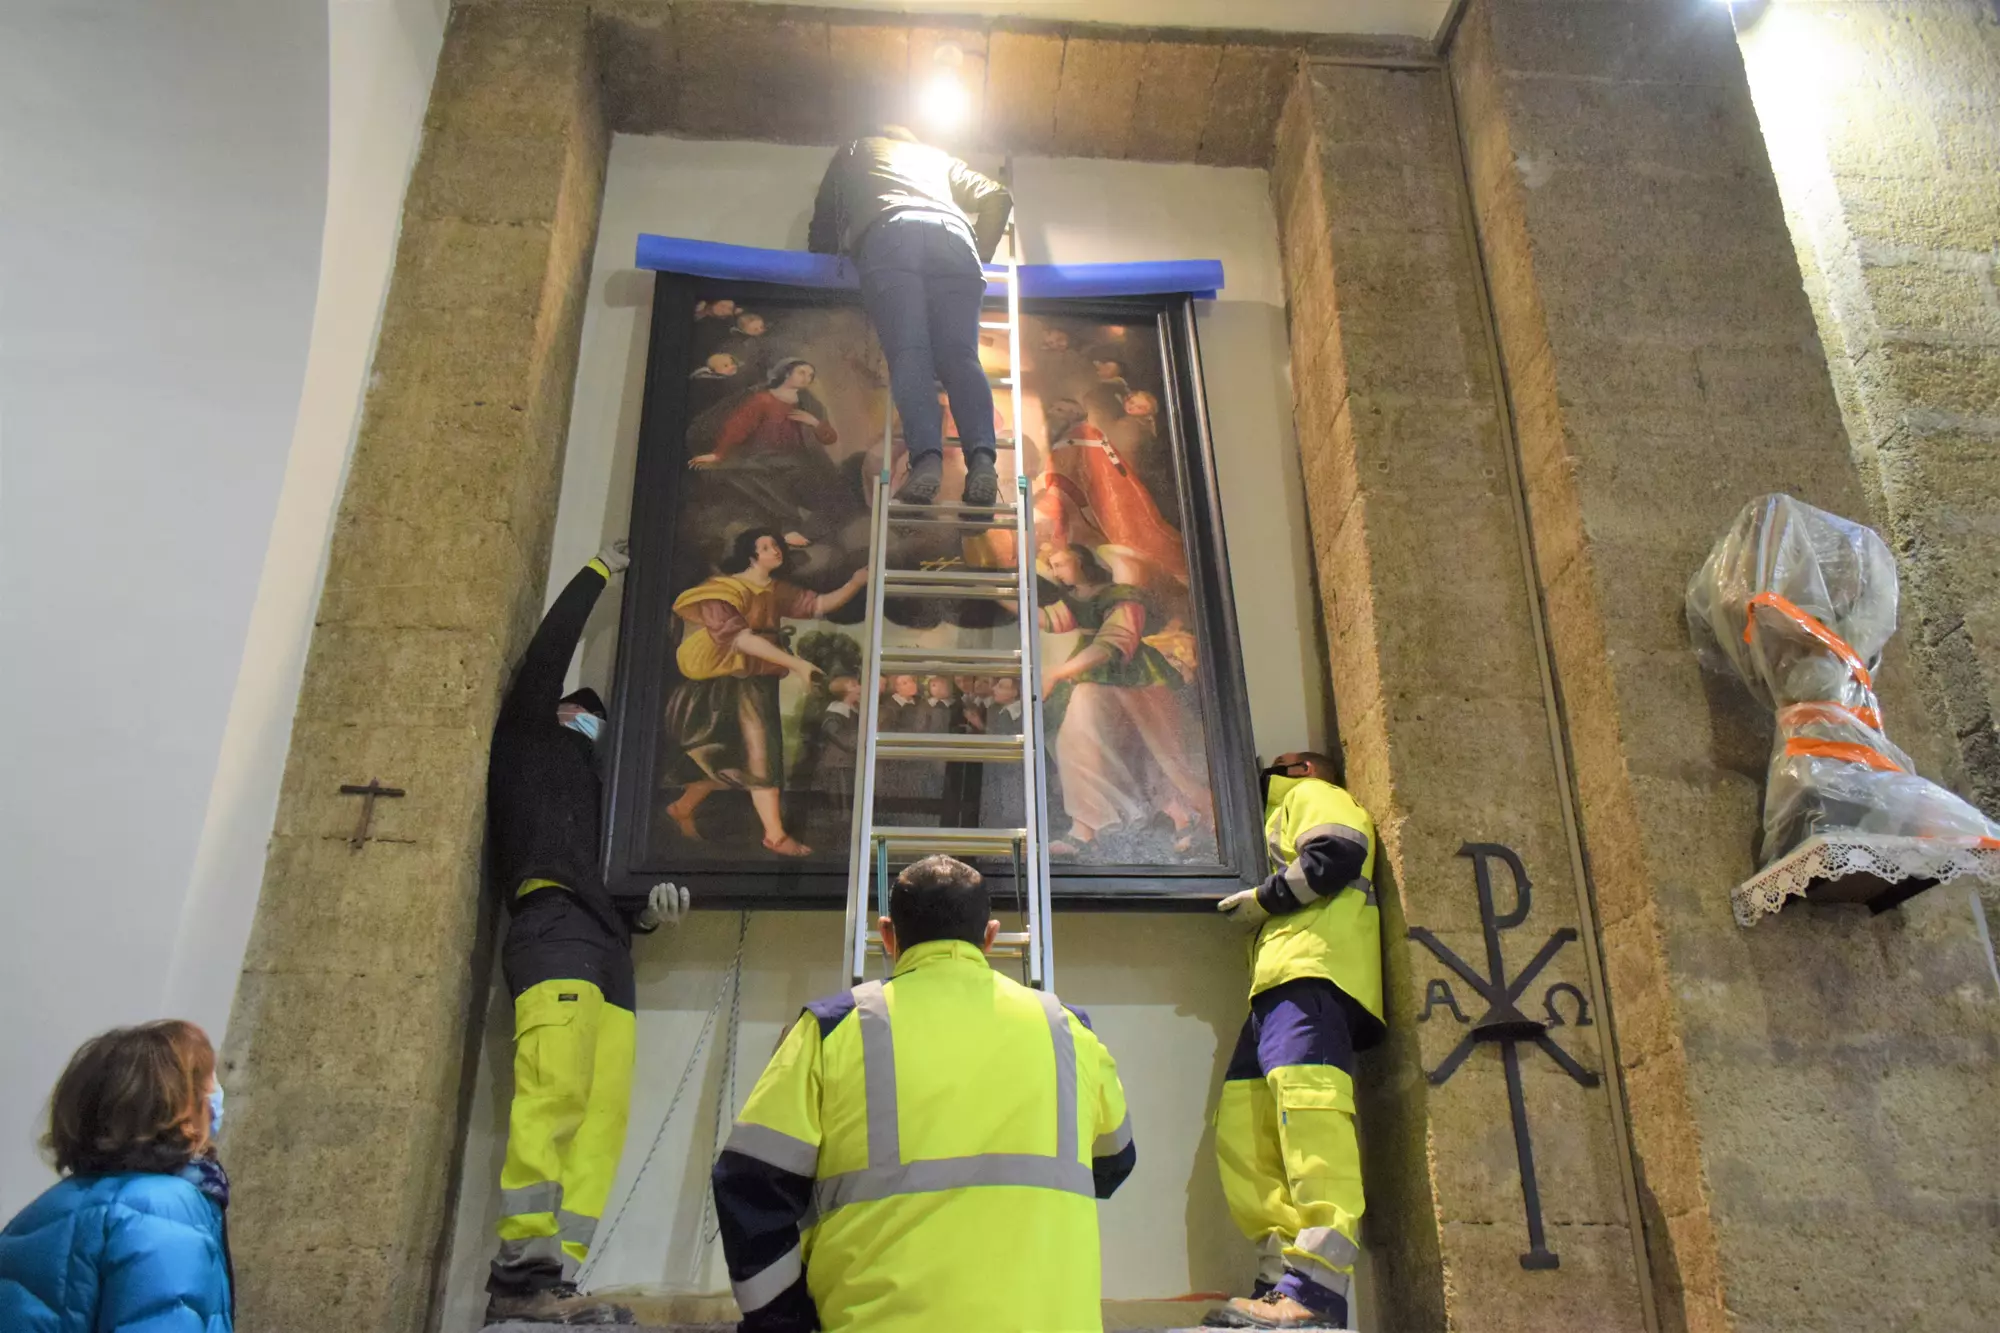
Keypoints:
pixel 994 324
pixel 1016 937
pixel 956 841
pixel 952 749
pixel 1000 381
pixel 900 512
pixel 981 578
pixel 953 661
pixel 950 591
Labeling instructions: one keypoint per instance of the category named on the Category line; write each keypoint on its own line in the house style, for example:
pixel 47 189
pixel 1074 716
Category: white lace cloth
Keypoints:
pixel 1887 856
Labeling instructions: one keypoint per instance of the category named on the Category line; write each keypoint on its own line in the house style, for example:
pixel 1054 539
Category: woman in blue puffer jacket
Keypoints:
pixel 132 1237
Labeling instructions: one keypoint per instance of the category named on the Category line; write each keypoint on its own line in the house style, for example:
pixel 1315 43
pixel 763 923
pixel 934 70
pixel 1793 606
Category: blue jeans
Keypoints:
pixel 922 285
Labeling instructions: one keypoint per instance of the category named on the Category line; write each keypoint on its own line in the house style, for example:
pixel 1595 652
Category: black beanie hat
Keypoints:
pixel 587 697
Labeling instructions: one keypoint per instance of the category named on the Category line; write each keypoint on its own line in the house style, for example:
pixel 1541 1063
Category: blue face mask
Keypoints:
pixel 215 1111
pixel 588 725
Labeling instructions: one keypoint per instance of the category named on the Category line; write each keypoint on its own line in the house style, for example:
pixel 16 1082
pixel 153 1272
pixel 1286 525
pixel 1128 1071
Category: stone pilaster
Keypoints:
pixel 1444 722
pixel 349 1042
pixel 1883 120
pixel 1811 1099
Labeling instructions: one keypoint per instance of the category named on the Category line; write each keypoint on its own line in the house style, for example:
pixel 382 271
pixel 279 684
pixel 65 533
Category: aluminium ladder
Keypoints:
pixel 875 847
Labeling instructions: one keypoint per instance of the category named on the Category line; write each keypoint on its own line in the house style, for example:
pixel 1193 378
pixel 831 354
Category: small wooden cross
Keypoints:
pixel 368 795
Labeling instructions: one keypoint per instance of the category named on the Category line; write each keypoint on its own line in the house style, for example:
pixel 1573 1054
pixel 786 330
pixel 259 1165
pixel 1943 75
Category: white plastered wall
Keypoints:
pixel 165 171
pixel 1166 991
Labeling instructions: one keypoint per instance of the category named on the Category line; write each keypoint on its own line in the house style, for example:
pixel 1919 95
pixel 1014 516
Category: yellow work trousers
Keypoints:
pixel 1291 1168
pixel 573 1053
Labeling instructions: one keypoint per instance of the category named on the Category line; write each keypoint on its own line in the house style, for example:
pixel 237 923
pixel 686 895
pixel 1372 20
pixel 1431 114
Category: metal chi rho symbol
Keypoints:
pixel 1503 1022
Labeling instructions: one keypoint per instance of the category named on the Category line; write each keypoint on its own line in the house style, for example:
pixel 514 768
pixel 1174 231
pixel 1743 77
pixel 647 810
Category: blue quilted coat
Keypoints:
pixel 137 1253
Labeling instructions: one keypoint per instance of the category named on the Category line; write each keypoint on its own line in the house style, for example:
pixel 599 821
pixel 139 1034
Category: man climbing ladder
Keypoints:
pixel 918 224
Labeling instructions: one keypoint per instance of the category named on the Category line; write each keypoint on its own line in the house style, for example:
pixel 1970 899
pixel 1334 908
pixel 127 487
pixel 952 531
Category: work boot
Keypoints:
pixel 982 482
pixel 920 487
pixel 560 1304
pixel 1274 1309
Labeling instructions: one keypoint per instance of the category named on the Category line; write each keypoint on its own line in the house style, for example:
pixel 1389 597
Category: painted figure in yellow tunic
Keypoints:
pixel 723 715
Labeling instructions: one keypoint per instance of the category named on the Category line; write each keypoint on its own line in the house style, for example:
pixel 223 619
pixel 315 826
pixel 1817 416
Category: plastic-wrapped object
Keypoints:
pixel 1798 603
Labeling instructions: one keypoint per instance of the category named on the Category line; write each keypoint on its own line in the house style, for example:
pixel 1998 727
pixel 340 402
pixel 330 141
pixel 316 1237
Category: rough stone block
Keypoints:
pixel 450 264
pixel 1596 1287
pixel 1098 96
pixel 1450 558
pixel 751 75
pixel 1367 189
pixel 1678 43
pixel 1666 1138
pixel 472 358
pixel 1477 1173
pixel 426 677
pixel 1930 378
pixel 1243 105
pixel 441 769
pixel 870 72
pixel 1663 131
pixel 1949 209
pixel 1023 75
pixel 1439 891
pixel 357 903
pixel 1943 296
pixel 511 66
pixel 487 178
pixel 1400 114
pixel 1172 107
pixel 641 64
pixel 1408 316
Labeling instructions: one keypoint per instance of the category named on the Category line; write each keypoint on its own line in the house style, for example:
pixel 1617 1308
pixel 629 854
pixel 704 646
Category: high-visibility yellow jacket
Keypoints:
pixel 926 1154
pixel 1321 895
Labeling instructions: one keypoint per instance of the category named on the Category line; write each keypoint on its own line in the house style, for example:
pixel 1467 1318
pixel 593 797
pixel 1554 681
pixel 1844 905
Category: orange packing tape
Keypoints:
pixel 1840 647
pixel 1825 710
pixel 1843 750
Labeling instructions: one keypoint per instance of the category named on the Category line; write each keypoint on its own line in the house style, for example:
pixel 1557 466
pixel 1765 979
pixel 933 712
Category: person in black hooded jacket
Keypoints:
pixel 568 965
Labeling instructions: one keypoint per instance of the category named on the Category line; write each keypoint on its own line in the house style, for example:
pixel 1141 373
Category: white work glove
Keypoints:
pixel 665 906
pixel 614 557
pixel 1243 907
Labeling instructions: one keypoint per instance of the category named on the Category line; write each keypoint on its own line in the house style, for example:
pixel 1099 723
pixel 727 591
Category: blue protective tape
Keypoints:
pixel 795 268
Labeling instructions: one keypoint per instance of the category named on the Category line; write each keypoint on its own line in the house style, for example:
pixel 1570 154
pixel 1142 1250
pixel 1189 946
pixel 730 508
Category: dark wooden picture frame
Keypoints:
pixel 645 668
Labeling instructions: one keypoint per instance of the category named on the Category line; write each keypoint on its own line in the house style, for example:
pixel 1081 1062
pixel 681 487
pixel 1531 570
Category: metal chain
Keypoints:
pixel 725 1110
pixel 732 983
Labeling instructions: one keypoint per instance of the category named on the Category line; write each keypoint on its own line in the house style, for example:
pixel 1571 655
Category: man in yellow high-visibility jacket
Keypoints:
pixel 1284 1129
pixel 925 1154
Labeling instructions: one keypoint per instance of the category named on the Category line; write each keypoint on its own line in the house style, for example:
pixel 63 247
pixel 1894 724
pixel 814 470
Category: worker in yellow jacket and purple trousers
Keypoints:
pixel 1284 1129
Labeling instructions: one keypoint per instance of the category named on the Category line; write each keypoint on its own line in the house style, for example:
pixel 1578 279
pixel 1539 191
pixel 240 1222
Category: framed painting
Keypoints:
pixel 741 672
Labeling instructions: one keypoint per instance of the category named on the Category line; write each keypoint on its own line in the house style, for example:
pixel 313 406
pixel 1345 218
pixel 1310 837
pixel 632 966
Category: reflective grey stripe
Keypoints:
pixel 576 1229
pixel 1295 880
pixel 1366 885
pixel 1271 1258
pixel 1344 832
pixel 544 1196
pixel 534 1249
pixel 1065 1044
pixel 1328 1246
pixel 1274 843
pixel 887 1175
pixel 1114 1142
pixel 950 1173
pixel 878 1061
pixel 758 1290
pixel 773 1148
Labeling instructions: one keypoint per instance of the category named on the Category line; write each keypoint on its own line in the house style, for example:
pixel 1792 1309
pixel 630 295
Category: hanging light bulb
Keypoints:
pixel 942 102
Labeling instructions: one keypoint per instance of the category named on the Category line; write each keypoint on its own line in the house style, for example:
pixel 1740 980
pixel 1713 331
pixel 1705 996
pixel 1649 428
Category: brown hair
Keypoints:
pixel 133 1099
